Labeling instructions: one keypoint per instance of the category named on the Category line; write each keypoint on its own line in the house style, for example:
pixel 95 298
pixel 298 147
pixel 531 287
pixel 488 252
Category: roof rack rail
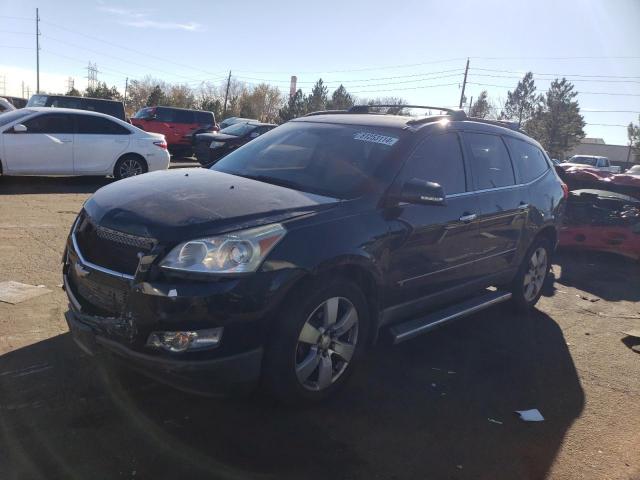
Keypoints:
pixel 500 123
pixel 325 112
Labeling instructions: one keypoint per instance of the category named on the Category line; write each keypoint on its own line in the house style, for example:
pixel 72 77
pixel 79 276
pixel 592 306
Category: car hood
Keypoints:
pixel 182 204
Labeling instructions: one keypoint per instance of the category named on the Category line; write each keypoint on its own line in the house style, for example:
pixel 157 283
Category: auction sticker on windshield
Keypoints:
pixel 375 138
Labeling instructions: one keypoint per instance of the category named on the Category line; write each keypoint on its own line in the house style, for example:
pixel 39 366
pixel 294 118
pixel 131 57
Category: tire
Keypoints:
pixel 129 166
pixel 528 283
pixel 306 361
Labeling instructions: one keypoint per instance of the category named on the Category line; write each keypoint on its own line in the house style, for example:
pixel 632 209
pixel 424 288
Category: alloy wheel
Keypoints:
pixel 326 343
pixel 535 276
pixel 130 167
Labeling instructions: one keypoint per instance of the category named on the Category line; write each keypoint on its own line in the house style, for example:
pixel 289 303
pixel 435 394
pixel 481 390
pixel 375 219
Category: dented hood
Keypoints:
pixel 182 204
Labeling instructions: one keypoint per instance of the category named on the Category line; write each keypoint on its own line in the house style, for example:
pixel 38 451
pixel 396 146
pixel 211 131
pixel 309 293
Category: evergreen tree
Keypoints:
pixel 521 103
pixel 296 107
pixel 102 91
pixel 73 92
pixel 481 108
pixel 318 98
pixel 557 123
pixel 340 99
pixel 156 97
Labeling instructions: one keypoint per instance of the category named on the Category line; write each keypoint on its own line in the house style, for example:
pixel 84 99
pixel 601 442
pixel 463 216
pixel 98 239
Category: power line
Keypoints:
pixel 407 88
pixel 555 74
pixel 130 49
pixel 580 92
pixel 549 79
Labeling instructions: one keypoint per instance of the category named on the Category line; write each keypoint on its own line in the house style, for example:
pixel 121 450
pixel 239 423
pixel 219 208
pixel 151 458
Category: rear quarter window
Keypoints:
pixel 204 118
pixel 184 116
pixel 529 160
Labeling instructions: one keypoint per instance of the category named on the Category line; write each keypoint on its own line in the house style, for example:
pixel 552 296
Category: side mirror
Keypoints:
pixel 19 128
pixel 422 192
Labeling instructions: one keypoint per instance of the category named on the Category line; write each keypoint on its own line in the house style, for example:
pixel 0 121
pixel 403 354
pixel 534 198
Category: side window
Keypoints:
pixel 50 123
pixel 184 116
pixel 65 102
pixel 529 159
pixel 165 115
pixel 491 166
pixel 204 118
pixel 90 124
pixel 438 159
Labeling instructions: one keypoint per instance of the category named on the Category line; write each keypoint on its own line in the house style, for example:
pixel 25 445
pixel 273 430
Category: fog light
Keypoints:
pixel 183 341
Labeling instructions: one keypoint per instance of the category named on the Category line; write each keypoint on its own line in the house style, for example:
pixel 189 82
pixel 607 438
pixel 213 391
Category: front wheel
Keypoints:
pixel 317 342
pixel 527 285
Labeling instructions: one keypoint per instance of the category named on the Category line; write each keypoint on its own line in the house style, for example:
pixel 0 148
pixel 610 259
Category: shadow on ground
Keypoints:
pixel 605 275
pixel 418 410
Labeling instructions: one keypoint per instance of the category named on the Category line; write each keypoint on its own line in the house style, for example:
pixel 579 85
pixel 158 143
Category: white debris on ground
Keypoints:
pixel 16 292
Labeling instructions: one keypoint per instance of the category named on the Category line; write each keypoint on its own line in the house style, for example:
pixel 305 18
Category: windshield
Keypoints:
pixel 238 129
pixel 584 160
pixel 144 113
pixel 334 160
pixel 8 117
pixel 37 101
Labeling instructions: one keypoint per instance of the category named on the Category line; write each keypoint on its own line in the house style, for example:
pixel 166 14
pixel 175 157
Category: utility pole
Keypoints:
pixel 126 86
pixel 464 83
pixel 226 95
pixel 37 52
pixel 92 75
pixel 470 104
pixel 70 84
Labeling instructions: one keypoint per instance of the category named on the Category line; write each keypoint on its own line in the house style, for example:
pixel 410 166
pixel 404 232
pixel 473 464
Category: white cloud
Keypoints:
pixel 142 19
pixel 189 27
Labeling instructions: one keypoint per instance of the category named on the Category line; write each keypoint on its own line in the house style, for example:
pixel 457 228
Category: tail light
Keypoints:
pixel 163 144
pixel 565 190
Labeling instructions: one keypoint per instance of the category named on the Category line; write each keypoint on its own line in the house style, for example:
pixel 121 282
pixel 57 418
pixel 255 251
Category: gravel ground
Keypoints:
pixel 439 406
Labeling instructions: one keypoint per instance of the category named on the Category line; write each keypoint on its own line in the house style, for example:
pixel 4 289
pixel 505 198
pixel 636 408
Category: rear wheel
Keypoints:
pixel 529 281
pixel 129 166
pixel 317 342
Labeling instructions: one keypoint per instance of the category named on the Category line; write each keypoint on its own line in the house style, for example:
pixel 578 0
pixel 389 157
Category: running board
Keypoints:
pixel 418 326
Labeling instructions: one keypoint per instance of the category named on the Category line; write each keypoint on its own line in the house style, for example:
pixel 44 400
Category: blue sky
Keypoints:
pixel 413 49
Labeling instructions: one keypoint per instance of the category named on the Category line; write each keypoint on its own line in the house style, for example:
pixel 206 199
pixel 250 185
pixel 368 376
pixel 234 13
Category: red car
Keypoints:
pixel 178 125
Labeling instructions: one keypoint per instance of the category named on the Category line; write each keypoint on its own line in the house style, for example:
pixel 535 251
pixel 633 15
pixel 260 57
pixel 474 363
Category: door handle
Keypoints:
pixel 468 217
pixel 66 141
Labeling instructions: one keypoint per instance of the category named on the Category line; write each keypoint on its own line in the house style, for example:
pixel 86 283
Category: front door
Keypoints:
pixel 99 142
pixel 46 148
pixel 434 248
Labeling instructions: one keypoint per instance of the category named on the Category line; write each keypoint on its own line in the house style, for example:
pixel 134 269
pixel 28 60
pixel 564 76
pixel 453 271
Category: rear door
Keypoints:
pixel 502 204
pixel 185 125
pixel 165 123
pixel 46 148
pixel 435 246
pixel 98 144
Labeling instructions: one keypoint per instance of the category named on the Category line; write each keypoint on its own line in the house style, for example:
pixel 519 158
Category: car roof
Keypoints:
pixel 415 124
pixel 70 110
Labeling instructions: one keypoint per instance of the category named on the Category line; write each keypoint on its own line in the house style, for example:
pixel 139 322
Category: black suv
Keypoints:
pixel 282 262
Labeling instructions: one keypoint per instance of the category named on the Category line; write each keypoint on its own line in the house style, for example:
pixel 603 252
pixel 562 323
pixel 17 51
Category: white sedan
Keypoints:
pixel 64 141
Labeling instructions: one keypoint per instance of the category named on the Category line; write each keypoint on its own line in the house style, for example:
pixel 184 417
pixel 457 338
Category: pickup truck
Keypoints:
pixel 590 161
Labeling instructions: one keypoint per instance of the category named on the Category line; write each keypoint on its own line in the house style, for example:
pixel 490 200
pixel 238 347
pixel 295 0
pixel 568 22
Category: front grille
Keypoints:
pixel 110 297
pixel 109 248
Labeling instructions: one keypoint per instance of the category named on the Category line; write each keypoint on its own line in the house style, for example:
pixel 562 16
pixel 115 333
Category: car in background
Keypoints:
pixel 17 102
pixel 227 122
pixel 6 105
pixel 211 147
pixel 178 125
pixel 635 170
pixel 590 161
pixel 114 108
pixel 45 141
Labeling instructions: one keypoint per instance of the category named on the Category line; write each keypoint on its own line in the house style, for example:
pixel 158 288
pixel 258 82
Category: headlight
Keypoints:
pixel 237 252
pixel 216 144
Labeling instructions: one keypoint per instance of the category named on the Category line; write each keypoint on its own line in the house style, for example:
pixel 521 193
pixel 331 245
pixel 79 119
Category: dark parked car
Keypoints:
pixel 178 125
pixel 108 107
pixel 211 147
pixel 227 122
pixel 285 260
